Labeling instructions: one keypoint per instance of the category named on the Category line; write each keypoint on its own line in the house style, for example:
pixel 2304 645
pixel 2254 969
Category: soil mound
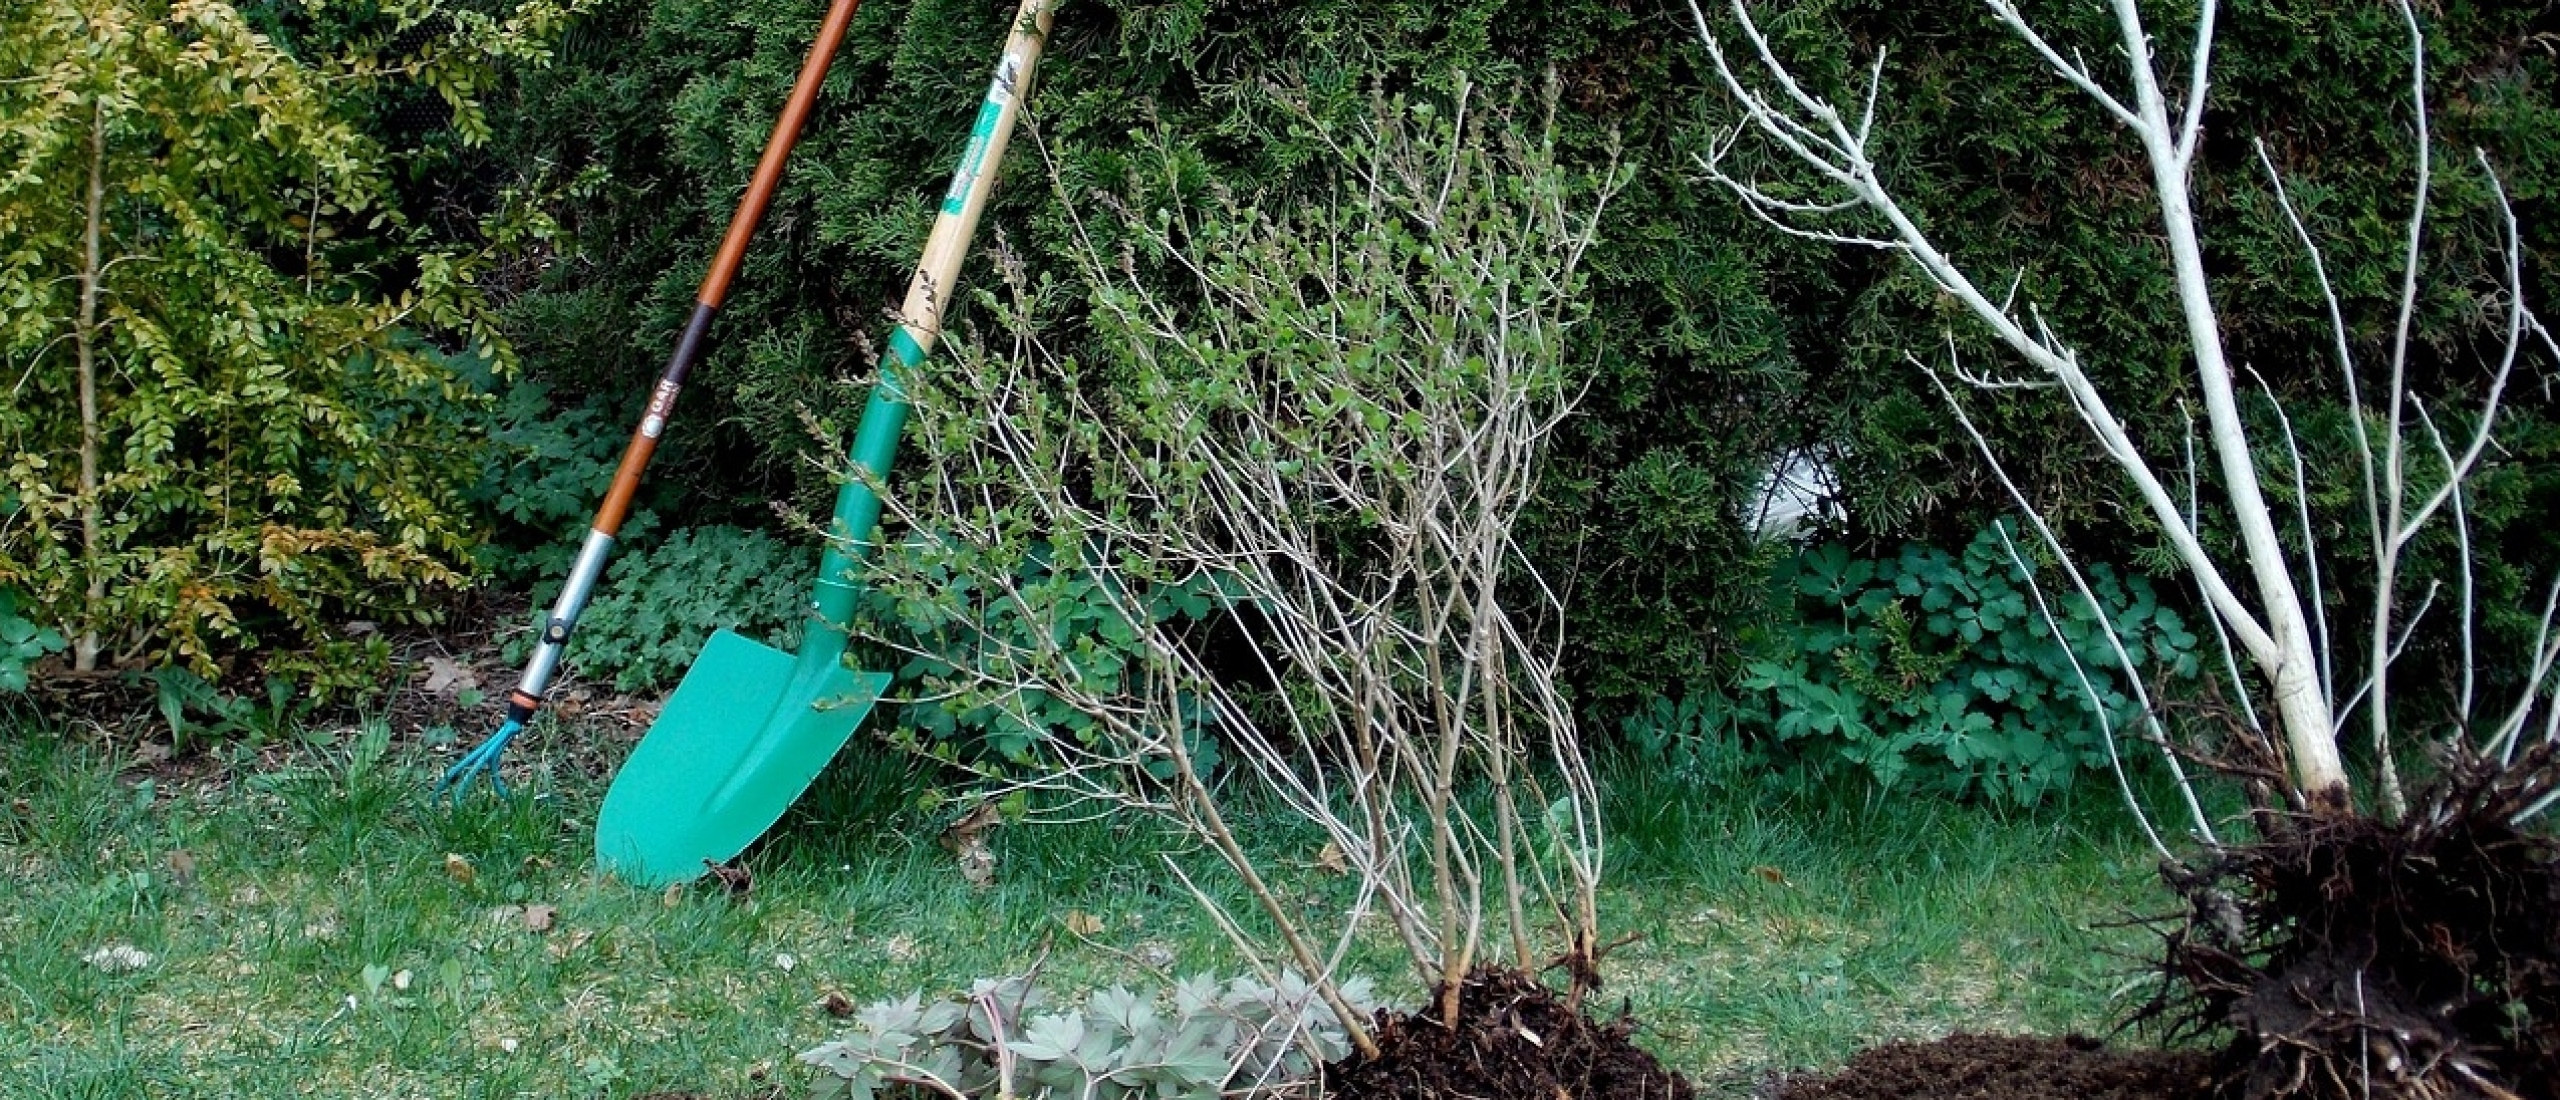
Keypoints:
pixel 1994 1067
pixel 2408 960
pixel 1515 1039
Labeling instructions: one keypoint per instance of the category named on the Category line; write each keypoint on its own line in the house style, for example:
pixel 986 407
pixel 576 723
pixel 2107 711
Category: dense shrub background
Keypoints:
pixel 1721 345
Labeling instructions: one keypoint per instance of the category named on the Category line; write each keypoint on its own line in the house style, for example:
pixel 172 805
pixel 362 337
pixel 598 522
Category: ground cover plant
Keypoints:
pixel 1930 669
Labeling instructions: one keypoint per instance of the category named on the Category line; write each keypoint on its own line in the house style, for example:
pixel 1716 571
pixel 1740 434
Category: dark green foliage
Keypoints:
pixel 958 650
pixel 1935 671
pixel 23 642
pixel 543 475
pixel 660 602
pixel 1725 344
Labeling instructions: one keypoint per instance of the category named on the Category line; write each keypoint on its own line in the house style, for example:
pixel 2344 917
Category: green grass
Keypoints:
pixel 1774 935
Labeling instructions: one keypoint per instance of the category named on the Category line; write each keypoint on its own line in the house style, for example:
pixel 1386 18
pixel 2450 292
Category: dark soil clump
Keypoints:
pixel 1993 1067
pixel 2408 960
pixel 1516 1039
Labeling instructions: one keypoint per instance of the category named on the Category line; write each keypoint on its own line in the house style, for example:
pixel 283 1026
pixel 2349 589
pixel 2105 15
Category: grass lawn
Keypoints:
pixel 320 928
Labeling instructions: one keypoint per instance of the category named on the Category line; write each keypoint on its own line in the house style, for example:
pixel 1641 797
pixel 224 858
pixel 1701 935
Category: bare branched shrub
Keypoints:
pixel 2405 952
pixel 1316 427
pixel 2301 691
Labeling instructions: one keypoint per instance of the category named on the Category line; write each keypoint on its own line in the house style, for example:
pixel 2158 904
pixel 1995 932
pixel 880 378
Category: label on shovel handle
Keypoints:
pixel 981 133
pixel 661 404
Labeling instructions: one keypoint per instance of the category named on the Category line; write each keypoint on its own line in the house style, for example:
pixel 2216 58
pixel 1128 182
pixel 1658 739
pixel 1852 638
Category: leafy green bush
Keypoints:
pixel 659 603
pixel 1219 1039
pixel 226 414
pixel 23 642
pixel 960 653
pixel 543 473
pixel 1935 670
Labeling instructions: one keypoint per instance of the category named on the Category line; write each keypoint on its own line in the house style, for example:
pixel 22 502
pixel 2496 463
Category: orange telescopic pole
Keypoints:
pixel 724 267
pixel 556 628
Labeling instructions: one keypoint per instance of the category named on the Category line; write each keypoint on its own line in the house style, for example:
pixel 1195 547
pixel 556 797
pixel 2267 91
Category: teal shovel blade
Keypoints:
pixel 744 734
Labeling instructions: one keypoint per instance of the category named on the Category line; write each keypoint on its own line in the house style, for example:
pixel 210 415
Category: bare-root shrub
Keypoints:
pixel 1315 428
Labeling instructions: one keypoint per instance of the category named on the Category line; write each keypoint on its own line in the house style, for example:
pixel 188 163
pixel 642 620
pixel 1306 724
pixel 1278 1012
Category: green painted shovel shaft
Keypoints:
pixel 857 515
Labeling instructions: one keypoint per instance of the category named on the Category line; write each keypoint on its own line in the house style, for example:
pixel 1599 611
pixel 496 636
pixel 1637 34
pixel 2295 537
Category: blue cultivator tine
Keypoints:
pixel 480 761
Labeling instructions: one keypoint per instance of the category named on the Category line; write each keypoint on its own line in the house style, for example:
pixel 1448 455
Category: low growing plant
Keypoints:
pixel 958 644
pixel 659 603
pixel 1209 1039
pixel 23 642
pixel 541 475
pixel 1936 669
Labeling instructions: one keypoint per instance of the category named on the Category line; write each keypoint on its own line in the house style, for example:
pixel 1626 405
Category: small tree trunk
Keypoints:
pixel 2293 667
pixel 84 655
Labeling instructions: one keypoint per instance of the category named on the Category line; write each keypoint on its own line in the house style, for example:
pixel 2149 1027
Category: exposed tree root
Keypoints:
pixel 2359 959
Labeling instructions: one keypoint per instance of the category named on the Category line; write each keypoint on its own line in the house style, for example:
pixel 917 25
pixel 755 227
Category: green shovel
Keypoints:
pixel 750 725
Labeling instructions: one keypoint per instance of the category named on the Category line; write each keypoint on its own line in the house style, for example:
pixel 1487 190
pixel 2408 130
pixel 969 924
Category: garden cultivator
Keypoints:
pixel 528 695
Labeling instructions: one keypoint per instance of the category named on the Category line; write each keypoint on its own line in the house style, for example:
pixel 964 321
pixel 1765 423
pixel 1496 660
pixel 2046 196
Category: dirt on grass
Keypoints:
pixel 2002 1067
pixel 1515 1038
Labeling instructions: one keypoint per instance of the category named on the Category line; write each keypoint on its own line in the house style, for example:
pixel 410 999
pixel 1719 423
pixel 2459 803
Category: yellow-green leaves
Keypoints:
pixel 280 424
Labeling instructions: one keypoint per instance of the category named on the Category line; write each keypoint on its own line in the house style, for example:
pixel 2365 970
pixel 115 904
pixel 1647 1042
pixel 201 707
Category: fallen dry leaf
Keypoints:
pixel 1332 860
pixel 538 918
pixel 674 895
pixel 460 869
pixel 978 865
pixel 1083 923
pixel 182 867
pixel 967 839
pixel 733 878
pixel 446 676
pixel 973 824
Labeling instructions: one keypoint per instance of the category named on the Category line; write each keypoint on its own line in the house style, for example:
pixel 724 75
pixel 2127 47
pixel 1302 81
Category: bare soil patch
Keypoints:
pixel 2003 1067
